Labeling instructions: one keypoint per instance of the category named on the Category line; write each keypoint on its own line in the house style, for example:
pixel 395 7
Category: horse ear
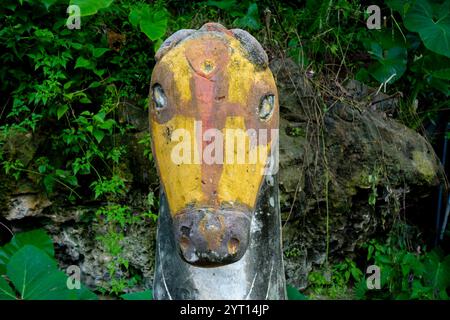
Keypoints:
pixel 256 53
pixel 172 41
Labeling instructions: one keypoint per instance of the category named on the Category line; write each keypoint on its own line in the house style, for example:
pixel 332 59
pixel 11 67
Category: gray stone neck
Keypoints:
pixel 258 275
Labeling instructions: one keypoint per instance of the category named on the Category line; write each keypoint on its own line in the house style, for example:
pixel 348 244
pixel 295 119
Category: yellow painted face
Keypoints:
pixel 213 115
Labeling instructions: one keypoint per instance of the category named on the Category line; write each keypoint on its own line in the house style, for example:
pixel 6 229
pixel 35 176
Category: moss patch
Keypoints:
pixel 424 165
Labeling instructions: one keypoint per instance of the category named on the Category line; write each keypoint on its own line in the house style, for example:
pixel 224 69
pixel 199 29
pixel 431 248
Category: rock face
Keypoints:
pixel 341 158
pixel 350 163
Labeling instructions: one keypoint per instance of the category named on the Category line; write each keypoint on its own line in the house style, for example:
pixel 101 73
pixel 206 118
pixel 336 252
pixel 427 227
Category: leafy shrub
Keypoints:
pixel 407 275
pixel 28 271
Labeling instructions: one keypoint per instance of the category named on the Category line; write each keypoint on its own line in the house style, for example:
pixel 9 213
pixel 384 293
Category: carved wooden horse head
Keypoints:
pixel 214 120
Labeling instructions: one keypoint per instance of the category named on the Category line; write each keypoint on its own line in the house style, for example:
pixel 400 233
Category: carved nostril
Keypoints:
pixel 233 245
pixel 185 231
pixel 184 243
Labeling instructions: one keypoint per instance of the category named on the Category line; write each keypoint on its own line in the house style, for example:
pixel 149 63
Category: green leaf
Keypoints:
pixel 153 23
pixel 135 15
pixel 437 66
pixel 157 44
pixel 98 52
pixel 360 289
pixel 432 22
pixel 370 252
pixel 224 4
pixel 391 58
pixel 49 183
pixel 36 277
pixel 85 100
pixel 48 3
pixel 99 135
pixel 143 295
pixel 401 6
pixel 84 63
pixel 6 293
pixel 90 7
pixel 251 19
pixel 437 271
pixel 62 110
pixel 294 294
pixel 95 84
pixel 37 238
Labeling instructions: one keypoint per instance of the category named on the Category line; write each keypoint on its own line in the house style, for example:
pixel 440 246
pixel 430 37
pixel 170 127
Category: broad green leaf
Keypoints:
pixel 62 109
pixel 135 15
pixel 95 84
pixel 401 6
pixel 294 294
pixel 84 63
pixel 98 52
pixel 36 277
pixel 437 271
pixel 437 66
pixel 360 289
pixel 224 4
pixel 48 3
pixel 391 59
pixel 85 100
pixel 153 23
pixel 143 295
pixel 99 117
pixel 432 22
pixel 99 135
pixel 251 19
pixel 77 46
pixel 49 183
pixel 90 7
pixel 157 44
pixel 6 293
pixel 37 238
pixel 108 124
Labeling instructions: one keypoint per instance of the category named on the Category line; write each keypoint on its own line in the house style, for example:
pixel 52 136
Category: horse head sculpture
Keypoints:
pixel 214 121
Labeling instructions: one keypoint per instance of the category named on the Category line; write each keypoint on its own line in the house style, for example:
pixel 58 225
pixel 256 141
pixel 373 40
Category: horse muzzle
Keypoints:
pixel 212 237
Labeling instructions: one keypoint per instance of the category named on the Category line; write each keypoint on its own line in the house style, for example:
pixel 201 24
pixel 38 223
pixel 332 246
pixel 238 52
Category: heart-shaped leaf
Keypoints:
pixel 390 65
pixel 294 294
pixel 98 52
pixel 90 7
pixel 36 277
pixel 153 23
pixel 37 238
pixel 6 293
pixel 251 19
pixel 84 63
pixel 432 22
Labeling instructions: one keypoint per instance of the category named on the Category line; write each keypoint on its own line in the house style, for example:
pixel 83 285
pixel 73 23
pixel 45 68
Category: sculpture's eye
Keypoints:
pixel 159 97
pixel 266 106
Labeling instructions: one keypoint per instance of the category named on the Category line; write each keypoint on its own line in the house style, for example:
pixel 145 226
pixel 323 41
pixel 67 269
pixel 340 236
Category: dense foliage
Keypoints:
pixel 67 86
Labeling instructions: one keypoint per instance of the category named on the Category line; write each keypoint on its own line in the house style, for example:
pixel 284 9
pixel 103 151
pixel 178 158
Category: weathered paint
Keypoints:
pixel 184 184
pixel 240 182
pixel 221 216
pixel 209 78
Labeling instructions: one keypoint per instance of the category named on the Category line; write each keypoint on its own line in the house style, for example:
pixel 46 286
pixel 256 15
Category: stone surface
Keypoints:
pixel 26 205
pixel 336 159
